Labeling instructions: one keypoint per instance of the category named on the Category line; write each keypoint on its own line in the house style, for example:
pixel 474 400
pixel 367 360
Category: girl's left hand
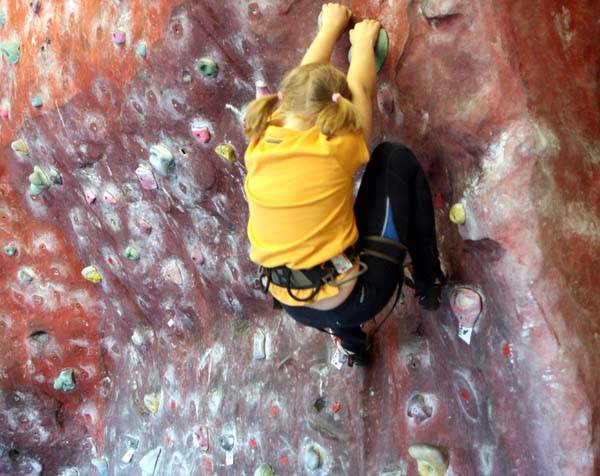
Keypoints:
pixel 335 17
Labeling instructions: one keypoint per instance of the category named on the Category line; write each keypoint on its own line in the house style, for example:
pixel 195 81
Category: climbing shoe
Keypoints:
pixel 432 298
pixel 360 359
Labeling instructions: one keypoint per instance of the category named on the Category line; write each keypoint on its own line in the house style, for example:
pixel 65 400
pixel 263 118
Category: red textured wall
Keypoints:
pixel 500 101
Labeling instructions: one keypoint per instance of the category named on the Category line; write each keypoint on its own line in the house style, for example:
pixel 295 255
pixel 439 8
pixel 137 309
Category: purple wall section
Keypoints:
pixel 500 101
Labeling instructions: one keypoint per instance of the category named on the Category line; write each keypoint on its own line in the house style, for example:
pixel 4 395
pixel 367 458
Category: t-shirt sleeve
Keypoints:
pixel 350 150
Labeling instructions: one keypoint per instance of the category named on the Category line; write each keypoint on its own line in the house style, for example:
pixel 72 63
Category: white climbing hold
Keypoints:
pixel 161 159
pixel 258 346
pixel 149 463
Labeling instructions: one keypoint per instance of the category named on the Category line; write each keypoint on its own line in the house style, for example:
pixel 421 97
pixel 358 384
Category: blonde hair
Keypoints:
pixel 307 91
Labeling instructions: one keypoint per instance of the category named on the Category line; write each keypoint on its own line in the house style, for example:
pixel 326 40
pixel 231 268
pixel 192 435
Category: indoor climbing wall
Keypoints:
pixel 134 340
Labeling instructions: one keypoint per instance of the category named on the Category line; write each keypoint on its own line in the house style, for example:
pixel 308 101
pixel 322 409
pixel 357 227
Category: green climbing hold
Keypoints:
pixel 11 49
pixel 131 253
pixel 141 49
pixel 10 250
pixel 37 101
pixel 65 381
pixel 207 68
pixel 264 470
pixel 381 49
pixel 226 151
pixel 38 181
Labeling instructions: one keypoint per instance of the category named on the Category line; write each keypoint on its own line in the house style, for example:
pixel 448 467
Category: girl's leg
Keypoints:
pixel 394 181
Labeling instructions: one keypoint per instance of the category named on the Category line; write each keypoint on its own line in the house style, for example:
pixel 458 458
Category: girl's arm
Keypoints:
pixel 335 18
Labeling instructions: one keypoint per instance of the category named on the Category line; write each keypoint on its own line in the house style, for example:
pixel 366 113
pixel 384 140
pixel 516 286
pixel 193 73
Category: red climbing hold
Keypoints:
pixel 252 443
pixel 506 350
pixel 274 411
pixel 284 460
pixel 336 407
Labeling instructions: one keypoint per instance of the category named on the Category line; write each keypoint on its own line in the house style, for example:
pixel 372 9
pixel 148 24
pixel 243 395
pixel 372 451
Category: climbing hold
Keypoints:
pixel 4 112
pixel 227 442
pixel 128 456
pixel 312 459
pixel 146 177
pixel 2 19
pixel 145 225
pixel 10 250
pixel 119 37
pixel 35 6
pixel 466 306
pixel 26 275
pixel 261 89
pixel 264 470
pixel 101 466
pixel 37 101
pixel 201 132
pixel 12 50
pixel 152 402
pixel 38 181
pixel 141 49
pixel 65 382
pixel 430 460
pixel 149 462
pixel 20 147
pixel 109 198
pixel 258 347
pixel 458 214
pixel 226 151
pixel 202 437
pixel 207 68
pixel 55 177
pixel 419 407
pixel 90 197
pixel 336 407
pixel 161 159
pixel 381 49
pixel 197 256
pixel 91 274
pixel 131 253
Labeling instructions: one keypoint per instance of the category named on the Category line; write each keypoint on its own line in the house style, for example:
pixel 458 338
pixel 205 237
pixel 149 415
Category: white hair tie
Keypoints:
pixel 336 97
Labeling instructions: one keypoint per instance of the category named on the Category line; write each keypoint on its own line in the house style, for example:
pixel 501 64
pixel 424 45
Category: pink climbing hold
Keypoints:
pixel 197 256
pixel 109 198
pixel 146 177
pixel 201 133
pixel 261 89
pixel 3 112
pixel 90 197
pixel 119 37
pixel 202 437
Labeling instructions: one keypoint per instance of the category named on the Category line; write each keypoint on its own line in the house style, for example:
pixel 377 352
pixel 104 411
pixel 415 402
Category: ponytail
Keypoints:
pixel 257 115
pixel 338 116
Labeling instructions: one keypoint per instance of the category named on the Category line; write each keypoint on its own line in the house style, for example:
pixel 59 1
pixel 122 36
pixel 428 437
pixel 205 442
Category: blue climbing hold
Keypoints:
pixel 37 101
pixel 141 49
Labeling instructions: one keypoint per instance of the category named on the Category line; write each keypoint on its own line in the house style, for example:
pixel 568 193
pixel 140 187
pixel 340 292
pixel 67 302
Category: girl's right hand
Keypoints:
pixel 365 34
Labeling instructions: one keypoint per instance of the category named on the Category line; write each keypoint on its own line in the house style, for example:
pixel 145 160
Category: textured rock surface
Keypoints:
pixel 500 100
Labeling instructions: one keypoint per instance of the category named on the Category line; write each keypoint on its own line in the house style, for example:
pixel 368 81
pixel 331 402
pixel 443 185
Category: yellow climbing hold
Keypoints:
pixel 226 151
pixel 152 402
pixel 458 214
pixel 20 146
pixel 430 460
pixel 91 274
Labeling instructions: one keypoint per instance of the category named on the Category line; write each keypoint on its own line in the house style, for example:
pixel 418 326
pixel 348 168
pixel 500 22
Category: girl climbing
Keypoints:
pixel 332 265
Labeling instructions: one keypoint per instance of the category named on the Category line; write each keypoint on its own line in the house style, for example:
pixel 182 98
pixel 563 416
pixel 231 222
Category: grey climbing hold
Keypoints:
pixel 131 253
pixel 11 49
pixel 227 442
pixel 20 147
pixel 258 346
pixel 149 463
pixel 55 177
pixel 207 68
pixel 10 250
pixel 65 382
pixel 264 470
pixel 141 49
pixel 26 275
pixel 37 101
pixel 161 159
pixel 38 181
pixel 312 459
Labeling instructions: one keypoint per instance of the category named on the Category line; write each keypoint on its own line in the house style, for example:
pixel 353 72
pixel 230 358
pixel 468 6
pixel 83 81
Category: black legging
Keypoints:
pixel 394 183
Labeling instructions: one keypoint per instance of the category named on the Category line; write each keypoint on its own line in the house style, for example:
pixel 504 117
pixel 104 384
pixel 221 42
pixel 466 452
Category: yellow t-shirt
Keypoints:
pixel 299 190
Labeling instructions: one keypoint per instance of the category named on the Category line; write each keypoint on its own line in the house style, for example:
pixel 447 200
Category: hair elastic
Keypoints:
pixel 280 95
pixel 336 97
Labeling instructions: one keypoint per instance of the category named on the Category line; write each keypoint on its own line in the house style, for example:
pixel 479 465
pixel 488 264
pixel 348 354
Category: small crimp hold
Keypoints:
pixel 161 159
pixel 131 253
pixel 91 274
pixel 226 151
pixel 201 132
pixel 20 147
pixel 65 382
pixel 207 68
